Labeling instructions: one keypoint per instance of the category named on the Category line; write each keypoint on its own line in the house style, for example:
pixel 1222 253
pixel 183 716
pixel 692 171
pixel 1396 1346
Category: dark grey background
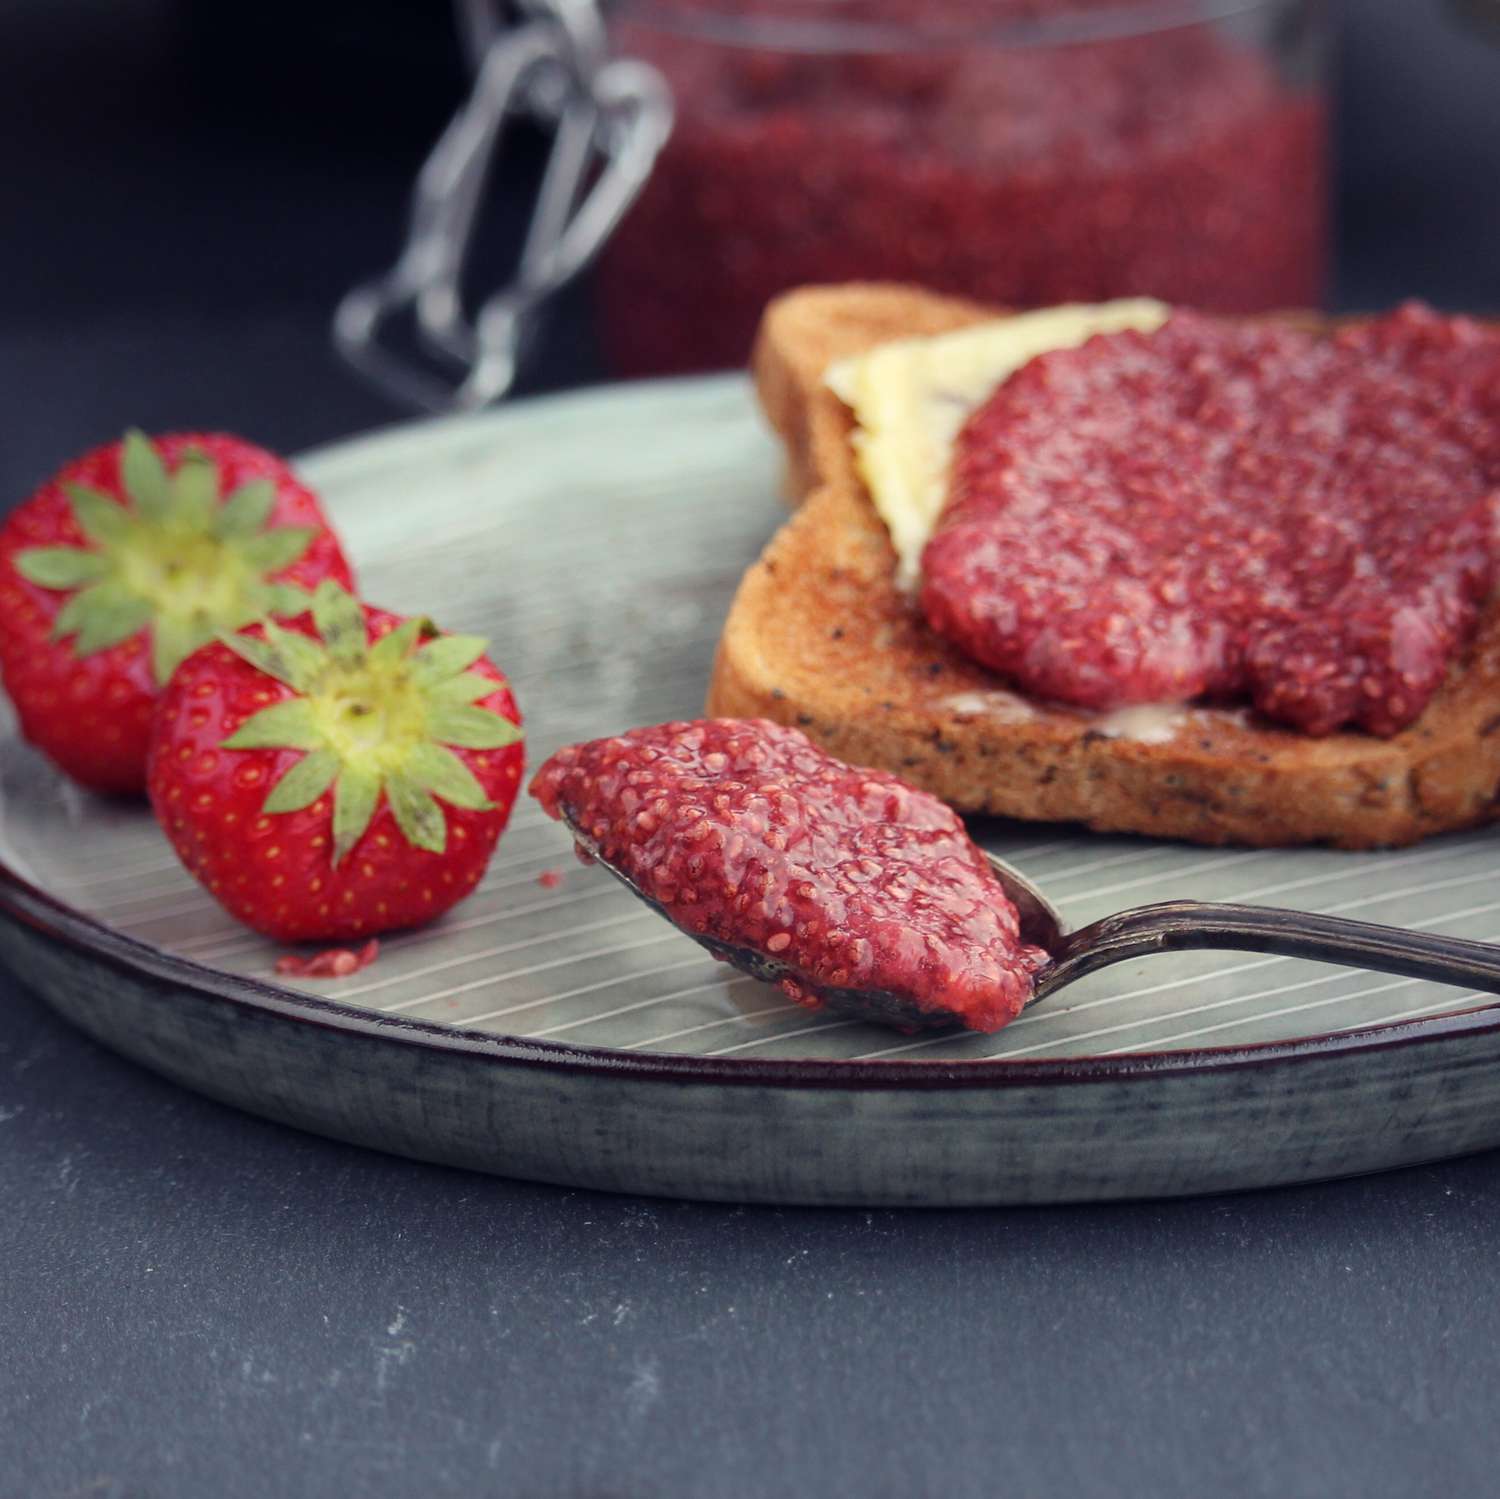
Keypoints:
pixel 196 1303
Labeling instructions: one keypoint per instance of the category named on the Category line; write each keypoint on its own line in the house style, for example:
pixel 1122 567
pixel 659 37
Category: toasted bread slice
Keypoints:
pixel 820 637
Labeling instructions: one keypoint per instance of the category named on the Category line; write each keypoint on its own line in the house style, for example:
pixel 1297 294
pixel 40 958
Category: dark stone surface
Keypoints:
pixel 193 1302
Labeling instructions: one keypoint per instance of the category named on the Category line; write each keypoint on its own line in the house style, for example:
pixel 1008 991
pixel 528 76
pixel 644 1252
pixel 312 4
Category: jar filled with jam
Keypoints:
pixel 1022 152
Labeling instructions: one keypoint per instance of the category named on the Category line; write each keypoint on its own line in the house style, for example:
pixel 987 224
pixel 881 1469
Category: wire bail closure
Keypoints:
pixel 611 116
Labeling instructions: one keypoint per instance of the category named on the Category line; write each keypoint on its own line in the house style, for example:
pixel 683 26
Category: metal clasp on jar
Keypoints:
pixel 610 118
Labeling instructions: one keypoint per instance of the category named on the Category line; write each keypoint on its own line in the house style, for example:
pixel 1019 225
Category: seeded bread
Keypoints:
pixel 820 637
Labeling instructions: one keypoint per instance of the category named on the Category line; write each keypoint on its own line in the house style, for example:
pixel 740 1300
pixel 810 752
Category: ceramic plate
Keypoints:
pixel 553 1028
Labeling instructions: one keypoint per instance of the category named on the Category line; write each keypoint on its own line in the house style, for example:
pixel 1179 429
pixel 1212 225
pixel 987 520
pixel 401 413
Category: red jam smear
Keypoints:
pixel 1176 164
pixel 330 963
pixel 1231 511
pixel 748 835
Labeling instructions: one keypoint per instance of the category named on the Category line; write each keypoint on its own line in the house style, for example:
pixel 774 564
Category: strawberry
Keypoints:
pixel 126 561
pixel 339 776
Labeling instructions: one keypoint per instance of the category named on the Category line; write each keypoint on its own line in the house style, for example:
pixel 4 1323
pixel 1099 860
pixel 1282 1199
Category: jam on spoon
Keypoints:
pixel 846 887
pixel 853 890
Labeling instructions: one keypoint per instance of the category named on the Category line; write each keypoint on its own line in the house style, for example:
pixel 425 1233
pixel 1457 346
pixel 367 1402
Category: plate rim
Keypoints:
pixel 26 904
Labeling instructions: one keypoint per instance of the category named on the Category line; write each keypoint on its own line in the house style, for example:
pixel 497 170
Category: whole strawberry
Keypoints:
pixel 127 561
pixel 340 776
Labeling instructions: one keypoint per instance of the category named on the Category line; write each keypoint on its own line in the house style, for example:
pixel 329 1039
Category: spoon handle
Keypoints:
pixel 1177 925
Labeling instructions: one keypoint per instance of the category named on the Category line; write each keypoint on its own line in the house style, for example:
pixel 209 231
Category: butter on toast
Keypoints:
pixel 819 636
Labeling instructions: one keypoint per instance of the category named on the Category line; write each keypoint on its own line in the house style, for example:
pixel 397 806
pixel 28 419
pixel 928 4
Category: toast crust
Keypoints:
pixel 819 636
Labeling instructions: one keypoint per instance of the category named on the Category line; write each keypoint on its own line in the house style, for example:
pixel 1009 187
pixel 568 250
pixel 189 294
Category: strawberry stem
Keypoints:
pixel 172 557
pixel 373 718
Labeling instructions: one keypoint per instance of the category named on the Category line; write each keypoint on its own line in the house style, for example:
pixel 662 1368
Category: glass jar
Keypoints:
pixel 1023 152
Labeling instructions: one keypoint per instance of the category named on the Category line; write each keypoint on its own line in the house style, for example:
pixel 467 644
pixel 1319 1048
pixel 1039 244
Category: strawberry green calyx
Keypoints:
pixel 371 718
pixel 173 557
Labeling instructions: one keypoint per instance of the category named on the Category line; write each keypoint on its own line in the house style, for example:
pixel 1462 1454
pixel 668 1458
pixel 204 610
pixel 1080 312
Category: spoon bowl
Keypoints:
pixel 878 1006
pixel 1042 924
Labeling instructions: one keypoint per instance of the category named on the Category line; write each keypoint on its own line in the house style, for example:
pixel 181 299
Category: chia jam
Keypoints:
pixel 853 888
pixel 1178 163
pixel 1231 511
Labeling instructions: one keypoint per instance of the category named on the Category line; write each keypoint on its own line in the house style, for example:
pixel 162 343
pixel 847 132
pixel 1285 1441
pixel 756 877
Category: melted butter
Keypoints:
pixel 910 398
pixel 1143 723
pixel 1139 723
pixel 1005 707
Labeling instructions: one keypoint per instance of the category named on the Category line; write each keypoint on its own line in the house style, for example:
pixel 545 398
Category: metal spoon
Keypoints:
pixel 1168 926
pixel 1179 925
